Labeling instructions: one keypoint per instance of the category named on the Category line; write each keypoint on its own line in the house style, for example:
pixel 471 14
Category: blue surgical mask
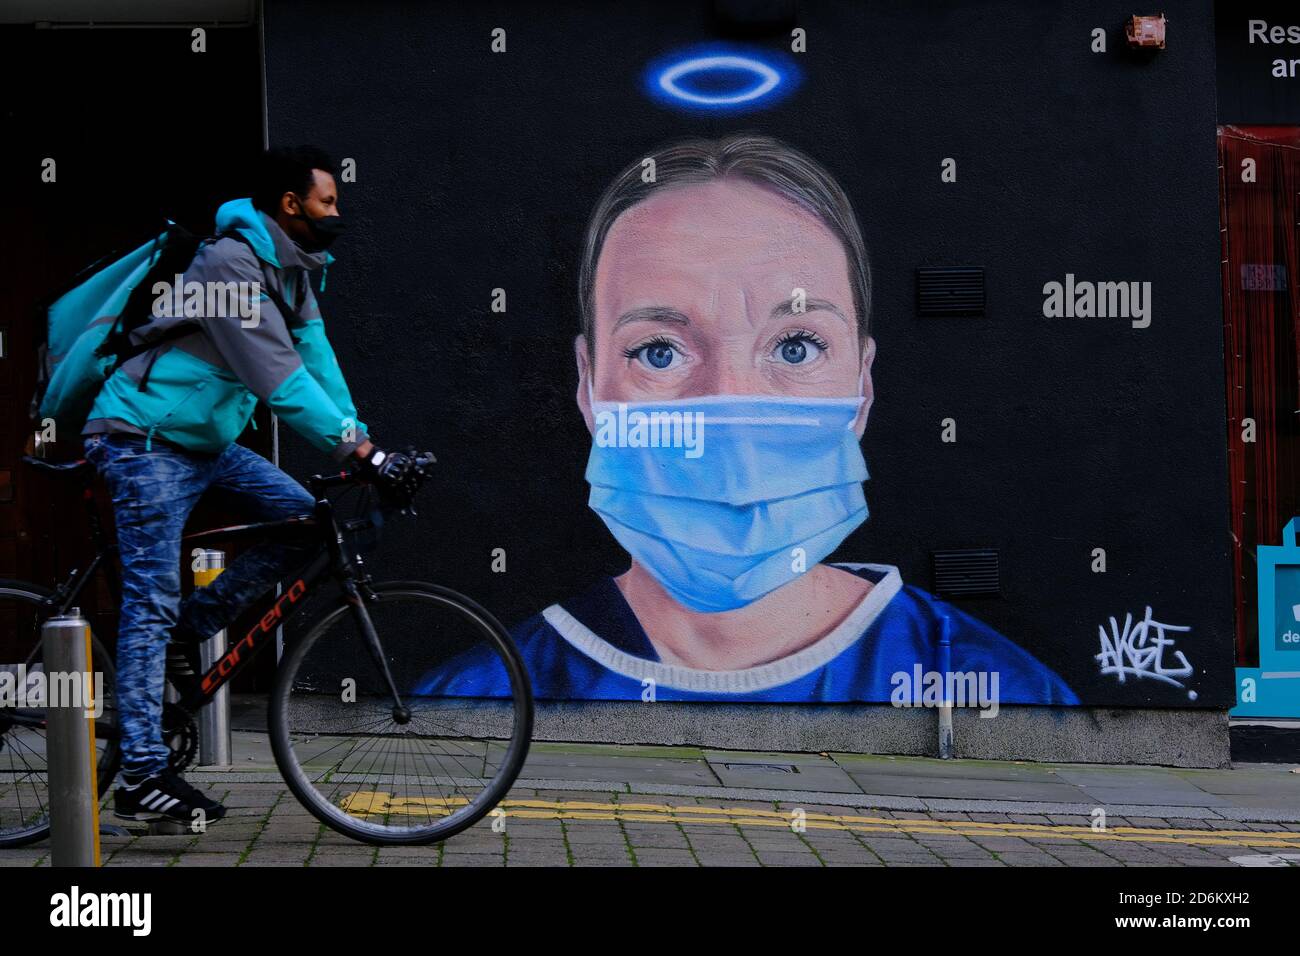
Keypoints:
pixel 725 498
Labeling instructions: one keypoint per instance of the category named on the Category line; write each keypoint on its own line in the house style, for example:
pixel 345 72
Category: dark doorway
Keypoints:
pixel 1260 176
pixel 141 128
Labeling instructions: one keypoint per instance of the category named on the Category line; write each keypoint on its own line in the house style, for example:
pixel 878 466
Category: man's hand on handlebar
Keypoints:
pixel 396 475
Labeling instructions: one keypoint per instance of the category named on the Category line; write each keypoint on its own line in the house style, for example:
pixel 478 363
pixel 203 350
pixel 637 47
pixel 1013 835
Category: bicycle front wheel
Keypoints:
pixel 414 770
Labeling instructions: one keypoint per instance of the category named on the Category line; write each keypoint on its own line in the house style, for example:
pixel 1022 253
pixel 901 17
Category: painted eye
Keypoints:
pixel 659 356
pixel 799 348
pixel 794 352
pixel 656 355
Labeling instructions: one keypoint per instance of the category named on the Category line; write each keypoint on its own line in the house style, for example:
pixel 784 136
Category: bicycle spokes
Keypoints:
pixel 392 753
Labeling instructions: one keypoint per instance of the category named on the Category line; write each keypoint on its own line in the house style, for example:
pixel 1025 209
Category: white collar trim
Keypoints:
pixel 749 679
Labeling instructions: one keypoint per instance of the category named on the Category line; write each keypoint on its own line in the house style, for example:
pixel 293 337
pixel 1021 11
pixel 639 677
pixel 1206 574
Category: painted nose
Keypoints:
pixel 731 376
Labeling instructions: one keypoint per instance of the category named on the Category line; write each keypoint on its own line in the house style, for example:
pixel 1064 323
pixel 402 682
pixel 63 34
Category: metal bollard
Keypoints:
pixel 70 757
pixel 215 748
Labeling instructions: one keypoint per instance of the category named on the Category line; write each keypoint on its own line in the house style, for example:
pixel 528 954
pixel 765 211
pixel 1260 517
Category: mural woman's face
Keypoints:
pixel 695 295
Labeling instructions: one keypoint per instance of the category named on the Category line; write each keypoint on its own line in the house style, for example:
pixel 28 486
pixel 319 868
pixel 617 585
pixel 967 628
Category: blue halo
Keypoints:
pixel 694 79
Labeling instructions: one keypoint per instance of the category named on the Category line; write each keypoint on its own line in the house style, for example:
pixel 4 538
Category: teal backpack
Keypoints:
pixel 88 327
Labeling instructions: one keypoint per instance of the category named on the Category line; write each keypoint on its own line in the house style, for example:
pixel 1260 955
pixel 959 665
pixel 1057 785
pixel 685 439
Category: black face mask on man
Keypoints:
pixel 324 230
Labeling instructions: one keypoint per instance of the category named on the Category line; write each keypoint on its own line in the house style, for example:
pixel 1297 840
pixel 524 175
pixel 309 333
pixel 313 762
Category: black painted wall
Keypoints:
pixel 477 171
pixel 142 129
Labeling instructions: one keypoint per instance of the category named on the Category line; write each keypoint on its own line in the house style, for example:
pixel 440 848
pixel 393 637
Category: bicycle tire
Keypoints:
pixel 508 771
pixel 110 758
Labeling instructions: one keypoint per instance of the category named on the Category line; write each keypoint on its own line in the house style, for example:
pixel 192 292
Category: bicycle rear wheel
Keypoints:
pixel 402 776
pixel 24 771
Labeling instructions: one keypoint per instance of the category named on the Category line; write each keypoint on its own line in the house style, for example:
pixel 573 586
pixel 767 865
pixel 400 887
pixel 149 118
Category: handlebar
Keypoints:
pixel 422 470
pixel 322 483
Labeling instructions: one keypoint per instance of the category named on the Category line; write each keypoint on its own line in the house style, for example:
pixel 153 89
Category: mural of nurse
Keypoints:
pixel 724 373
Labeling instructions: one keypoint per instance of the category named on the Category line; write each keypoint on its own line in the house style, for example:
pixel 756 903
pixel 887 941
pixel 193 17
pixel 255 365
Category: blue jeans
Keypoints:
pixel 153 492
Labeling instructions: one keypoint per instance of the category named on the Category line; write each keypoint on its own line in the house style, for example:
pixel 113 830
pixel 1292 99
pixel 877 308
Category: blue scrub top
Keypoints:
pixel 594 648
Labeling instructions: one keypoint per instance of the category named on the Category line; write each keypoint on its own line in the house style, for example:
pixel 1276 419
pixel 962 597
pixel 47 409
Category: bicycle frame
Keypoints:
pixel 66 593
pixel 329 549
pixel 278 609
pixel 273 610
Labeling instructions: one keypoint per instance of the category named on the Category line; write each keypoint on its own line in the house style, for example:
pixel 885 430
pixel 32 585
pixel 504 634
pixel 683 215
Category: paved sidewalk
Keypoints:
pixel 594 805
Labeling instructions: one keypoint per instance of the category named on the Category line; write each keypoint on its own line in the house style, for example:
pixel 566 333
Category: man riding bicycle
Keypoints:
pixel 162 432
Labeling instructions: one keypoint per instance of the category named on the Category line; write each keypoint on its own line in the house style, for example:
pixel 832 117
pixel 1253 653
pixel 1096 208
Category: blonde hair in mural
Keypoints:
pixel 750 157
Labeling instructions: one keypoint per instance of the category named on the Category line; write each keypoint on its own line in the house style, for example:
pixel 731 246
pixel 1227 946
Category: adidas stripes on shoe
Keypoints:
pixel 164 796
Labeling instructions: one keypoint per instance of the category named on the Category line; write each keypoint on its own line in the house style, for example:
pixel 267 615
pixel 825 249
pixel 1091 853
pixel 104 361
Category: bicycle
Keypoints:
pixel 353 725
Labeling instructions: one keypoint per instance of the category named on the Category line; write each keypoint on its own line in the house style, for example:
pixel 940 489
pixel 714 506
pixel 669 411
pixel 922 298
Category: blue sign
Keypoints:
pixel 1273 688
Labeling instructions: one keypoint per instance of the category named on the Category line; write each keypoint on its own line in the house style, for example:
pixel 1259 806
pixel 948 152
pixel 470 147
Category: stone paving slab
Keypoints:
pixel 809 772
pixel 617 768
pixel 921 767
pixel 963 788
pixel 1128 786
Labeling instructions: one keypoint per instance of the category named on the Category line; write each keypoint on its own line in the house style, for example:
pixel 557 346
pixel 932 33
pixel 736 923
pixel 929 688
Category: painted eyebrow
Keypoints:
pixel 652 313
pixel 786 308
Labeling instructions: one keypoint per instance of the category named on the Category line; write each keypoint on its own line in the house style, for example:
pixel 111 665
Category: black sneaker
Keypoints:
pixel 164 796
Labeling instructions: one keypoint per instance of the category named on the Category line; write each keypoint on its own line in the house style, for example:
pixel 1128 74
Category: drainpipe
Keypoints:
pixel 945 708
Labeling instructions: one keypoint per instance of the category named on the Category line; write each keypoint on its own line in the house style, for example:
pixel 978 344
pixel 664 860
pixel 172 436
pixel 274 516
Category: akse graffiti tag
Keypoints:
pixel 1138 651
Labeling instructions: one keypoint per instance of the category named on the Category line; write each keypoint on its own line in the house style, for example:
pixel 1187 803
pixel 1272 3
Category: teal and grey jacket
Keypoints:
pixel 201 388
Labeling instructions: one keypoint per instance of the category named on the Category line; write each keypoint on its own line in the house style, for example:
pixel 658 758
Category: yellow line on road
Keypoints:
pixel 369 803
